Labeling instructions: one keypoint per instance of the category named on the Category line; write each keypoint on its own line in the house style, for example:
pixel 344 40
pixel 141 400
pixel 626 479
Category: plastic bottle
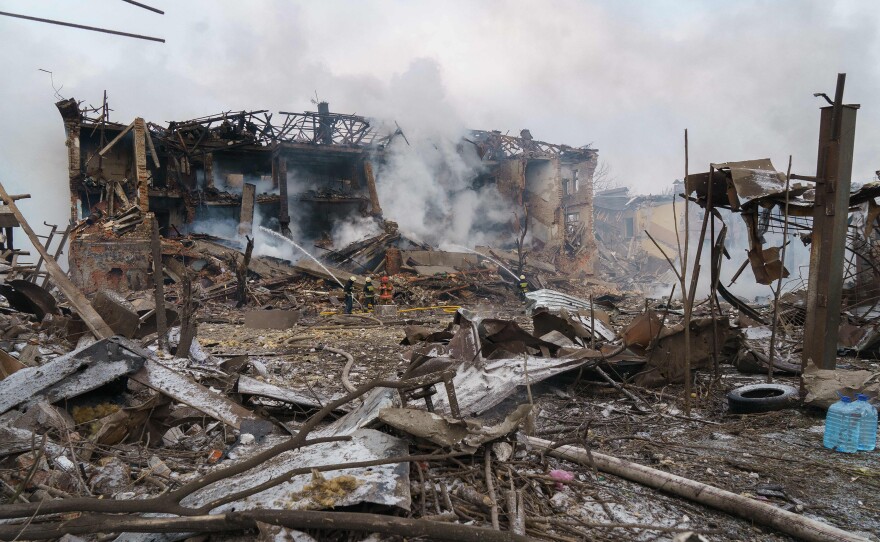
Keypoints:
pixel 867 424
pixel 842 426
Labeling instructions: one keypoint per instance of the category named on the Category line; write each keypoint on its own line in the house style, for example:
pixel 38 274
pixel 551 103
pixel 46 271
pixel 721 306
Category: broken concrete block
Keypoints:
pixel 30 355
pixel 120 315
pixel 54 478
pixel 25 462
pixel 172 436
pixel 112 476
pixel 385 311
pixel 271 319
pixel 42 417
pixel 159 468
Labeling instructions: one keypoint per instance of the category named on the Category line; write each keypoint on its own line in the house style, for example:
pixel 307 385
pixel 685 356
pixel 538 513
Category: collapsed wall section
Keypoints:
pixel 99 260
pixel 302 177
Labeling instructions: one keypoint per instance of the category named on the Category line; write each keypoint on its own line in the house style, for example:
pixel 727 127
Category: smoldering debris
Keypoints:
pixel 438 366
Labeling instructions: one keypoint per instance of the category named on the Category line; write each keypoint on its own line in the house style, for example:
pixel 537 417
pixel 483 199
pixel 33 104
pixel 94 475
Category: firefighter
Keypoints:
pixel 369 293
pixel 523 287
pixel 386 291
pixel 349 294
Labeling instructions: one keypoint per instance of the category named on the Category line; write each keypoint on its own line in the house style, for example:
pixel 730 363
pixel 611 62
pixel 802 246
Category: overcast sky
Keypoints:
pixel 625 76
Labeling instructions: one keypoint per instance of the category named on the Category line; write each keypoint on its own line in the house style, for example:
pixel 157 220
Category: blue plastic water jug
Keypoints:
pixel 842 426
pixel 867 424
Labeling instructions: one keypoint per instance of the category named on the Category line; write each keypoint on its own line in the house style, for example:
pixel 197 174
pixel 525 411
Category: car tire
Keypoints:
pixel 762 398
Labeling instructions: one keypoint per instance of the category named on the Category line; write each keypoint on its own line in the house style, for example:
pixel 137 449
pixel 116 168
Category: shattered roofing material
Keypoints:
pixel 386 485
pixel 553 300
pixel 754 179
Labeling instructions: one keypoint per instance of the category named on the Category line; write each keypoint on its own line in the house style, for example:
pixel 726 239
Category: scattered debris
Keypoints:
pixel 178 382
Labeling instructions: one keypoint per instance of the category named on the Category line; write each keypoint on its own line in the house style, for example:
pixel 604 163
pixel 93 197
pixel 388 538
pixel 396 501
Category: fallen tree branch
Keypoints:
pixel 490 487
pixel 169 503
pixel 238 521
pixel 640 404
pixel 744 507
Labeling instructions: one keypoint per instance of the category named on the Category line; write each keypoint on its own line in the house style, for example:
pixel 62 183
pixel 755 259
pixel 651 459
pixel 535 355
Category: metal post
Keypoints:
pixel 830 212
pixel 713 275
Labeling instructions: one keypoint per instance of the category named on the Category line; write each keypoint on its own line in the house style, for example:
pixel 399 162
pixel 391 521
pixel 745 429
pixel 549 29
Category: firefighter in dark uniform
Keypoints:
pixel 349 295
pixel 523 287
pixel 369 293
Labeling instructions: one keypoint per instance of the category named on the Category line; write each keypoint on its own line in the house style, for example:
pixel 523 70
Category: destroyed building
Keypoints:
pixel 625 225
pixel 238 398
pixel 311 168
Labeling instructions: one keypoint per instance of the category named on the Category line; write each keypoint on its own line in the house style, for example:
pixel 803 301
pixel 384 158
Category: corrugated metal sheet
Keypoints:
pixel 555 301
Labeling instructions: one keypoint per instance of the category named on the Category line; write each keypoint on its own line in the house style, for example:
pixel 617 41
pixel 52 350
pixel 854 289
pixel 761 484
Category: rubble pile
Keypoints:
pixel 264 417
pixel 176 385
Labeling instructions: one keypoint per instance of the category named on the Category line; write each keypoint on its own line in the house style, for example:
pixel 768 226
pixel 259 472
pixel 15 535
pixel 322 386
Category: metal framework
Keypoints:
pixel 333 129
pixel 256 128
pixel 498 146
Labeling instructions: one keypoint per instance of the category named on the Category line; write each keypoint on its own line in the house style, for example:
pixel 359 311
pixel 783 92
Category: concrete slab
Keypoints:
pixel 120 315
pixel 271 319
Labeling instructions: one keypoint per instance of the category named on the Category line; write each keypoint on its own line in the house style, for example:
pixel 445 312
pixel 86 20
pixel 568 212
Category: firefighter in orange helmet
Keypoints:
pixel 386 291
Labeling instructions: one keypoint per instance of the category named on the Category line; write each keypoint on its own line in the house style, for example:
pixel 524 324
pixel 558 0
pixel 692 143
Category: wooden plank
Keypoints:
pixel 8 364
pixel 159 284
pixel 86 379
pixel 252 386
pixel 115 140
pixel 76 298
pixel 14 440
pixel 152 148
pixel 120 193
pixel 86 369
pixel 180 388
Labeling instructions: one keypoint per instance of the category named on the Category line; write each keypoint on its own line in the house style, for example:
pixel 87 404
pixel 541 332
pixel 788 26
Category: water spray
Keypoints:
pixel 304 251
pixel 307 253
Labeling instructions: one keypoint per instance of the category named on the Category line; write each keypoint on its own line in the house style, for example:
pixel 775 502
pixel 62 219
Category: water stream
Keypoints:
pixel 304 251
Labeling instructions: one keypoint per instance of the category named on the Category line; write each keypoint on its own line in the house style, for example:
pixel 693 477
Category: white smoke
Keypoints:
pixel 797 258
pixel 264 245
pixel 425 184
pixel 352 229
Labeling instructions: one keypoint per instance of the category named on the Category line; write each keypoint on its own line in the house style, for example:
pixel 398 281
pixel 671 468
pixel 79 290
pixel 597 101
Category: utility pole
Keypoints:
pixel 830 212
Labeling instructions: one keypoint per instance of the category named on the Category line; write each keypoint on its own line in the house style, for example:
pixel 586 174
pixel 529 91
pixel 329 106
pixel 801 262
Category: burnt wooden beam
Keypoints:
pixel 159 285
pixel 76 298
